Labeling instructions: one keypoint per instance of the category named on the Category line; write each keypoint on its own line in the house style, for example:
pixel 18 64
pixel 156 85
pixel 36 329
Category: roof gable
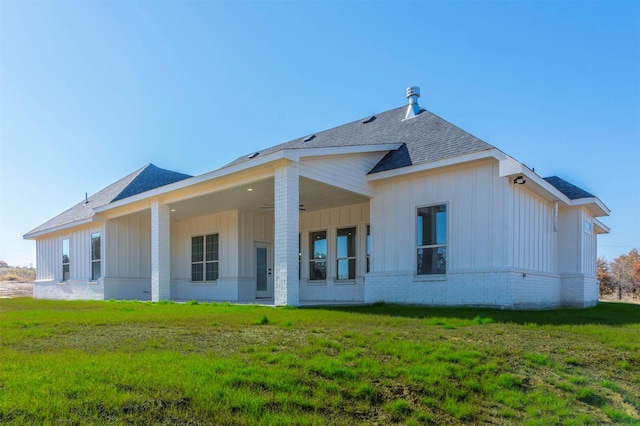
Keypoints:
pixel 144 179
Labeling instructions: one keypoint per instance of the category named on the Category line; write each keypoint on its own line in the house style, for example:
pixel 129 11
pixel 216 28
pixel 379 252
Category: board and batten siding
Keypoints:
pixel 477 223
pixel 577 244
pixel 589 244
pixel 253 227
pixel 225 224
pixel 128 246
pixel 492 224
pixel 347 171
pixel 49 255
pixel 532 241
pixel 330 220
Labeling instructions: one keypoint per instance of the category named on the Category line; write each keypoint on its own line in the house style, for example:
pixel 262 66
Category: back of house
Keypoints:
pixel 400 207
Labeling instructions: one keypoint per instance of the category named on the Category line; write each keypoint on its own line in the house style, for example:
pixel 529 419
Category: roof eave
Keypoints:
pixel 295 154
pixel 475 156
pixel 600 228
pixel 33 235
pixel 286 154
pixel 510 168
pixel 594 204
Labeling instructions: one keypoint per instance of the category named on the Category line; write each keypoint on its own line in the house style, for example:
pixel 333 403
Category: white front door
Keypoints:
pixel 264 275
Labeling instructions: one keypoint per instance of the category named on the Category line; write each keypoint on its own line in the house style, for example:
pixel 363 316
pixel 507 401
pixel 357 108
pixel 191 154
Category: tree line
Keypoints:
pixel 5 265
pixel 621 276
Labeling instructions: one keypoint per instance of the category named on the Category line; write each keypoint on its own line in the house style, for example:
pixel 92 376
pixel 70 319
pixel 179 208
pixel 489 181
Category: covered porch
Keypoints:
pixel 274 236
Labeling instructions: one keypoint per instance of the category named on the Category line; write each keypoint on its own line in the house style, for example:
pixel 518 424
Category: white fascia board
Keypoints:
pixel 490 153
pixel 225 171
pixel 552 192
pixel 599 226
pixel 297 154
pixel 597 207
pixel 290 154
pixel 509 167
pixel 34 235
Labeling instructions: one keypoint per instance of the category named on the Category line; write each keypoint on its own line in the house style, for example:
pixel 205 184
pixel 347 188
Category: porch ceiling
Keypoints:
pixel 314 195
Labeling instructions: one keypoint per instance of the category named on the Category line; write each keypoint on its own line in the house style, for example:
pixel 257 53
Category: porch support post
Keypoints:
pixel 160 252
pixel 287 220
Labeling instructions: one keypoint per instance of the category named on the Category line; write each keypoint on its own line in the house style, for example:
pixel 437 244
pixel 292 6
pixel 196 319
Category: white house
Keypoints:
pixel 399 207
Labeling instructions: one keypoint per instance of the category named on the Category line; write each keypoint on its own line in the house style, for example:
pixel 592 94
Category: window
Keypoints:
pixel 95 256
pixel 432 240
pixel 368 248
pixel 346 250
pixel 204 258
pixel 65 259
pixel 318 255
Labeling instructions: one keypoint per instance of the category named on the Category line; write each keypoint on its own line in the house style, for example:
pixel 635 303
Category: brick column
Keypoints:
pixel 287 218
pixel 160 252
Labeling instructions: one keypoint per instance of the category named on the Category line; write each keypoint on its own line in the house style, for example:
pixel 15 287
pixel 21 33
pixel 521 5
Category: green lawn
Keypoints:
pixel 144 363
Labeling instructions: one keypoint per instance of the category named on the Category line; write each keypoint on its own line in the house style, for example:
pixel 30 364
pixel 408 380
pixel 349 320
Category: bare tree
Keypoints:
pixel 623 270
pixel 605 279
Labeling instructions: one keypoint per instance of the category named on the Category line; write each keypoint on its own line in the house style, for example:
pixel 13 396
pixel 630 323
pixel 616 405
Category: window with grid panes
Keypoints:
pixel 204 257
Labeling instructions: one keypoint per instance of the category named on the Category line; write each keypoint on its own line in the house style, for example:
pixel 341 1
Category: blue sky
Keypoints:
pixel 92 90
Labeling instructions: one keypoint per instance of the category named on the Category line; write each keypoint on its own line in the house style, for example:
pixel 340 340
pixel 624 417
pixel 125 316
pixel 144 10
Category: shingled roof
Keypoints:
pixel 568 189
pixel 424 138
pixel 147 178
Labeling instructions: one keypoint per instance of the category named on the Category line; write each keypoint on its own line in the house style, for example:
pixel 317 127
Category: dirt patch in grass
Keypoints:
pixel 624 299
pixel 15 289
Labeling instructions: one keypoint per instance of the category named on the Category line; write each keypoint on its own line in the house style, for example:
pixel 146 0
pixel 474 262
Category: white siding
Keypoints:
pixel 49 261
pixel 569 240
pixel 48 251
pixel 532 239
pixel 477 227
pixel 128 246
pixel 49 255
pixel 577 258
pixel 225 224
pixel 343 171
pixel 589 245
pixel 330 220
pixel 253 227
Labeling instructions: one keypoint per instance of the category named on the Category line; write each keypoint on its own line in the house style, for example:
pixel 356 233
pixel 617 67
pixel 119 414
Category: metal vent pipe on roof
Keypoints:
pixel 413 93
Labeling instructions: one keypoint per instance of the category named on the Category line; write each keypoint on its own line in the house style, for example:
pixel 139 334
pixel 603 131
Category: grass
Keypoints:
pixel 198 363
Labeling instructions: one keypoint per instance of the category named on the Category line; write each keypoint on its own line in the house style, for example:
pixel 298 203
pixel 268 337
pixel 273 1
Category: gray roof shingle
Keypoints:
pixel 144 179
pixel 568 189
pixel 151 177
pixel 425 138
